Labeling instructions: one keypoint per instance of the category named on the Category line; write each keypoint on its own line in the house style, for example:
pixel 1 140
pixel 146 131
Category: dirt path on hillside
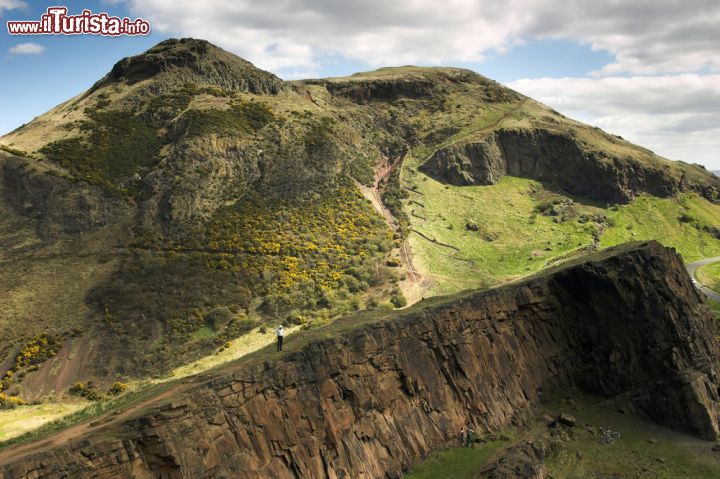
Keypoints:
pixel 416 283
pixel 186 377
pixel 423 219
pixel 413 286
pixel 88 426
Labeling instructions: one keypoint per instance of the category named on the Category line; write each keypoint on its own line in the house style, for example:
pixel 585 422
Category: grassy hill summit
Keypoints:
pixel 189 198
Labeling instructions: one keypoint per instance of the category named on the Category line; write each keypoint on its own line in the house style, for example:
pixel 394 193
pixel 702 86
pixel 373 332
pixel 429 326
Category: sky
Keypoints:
pixel 648 70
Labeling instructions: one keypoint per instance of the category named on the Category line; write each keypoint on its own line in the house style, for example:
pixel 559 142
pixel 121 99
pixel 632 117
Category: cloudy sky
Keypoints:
pixel 648 70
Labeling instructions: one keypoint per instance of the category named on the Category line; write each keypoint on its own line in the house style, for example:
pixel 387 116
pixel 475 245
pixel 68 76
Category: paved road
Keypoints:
pixel 692 267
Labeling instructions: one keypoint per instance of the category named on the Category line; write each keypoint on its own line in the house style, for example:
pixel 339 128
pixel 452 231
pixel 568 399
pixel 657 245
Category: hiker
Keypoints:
pixel 280 331
pixel 470 436
pixel 462 437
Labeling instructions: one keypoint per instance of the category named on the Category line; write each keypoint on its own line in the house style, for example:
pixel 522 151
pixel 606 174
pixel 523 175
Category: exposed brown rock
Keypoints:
pixel 365 91
pixel 561 161
pixel 524 460
pixel 373 401
pixel 566 419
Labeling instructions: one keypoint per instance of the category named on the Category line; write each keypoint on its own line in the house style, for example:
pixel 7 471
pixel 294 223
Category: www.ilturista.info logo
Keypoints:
pixel 56 21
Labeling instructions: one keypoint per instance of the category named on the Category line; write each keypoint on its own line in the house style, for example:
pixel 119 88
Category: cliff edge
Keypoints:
pixel 376 398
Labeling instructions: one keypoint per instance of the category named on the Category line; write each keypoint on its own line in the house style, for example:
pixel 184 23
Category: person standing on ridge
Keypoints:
pixel 280 331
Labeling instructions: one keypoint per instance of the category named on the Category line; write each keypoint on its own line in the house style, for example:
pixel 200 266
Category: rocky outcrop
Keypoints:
pixel 366 91
pixel 195 61
pixel 371 401
pixel 524 460
pixel 199 176
pixel 561 161
pixel 58 204
pixel 414 83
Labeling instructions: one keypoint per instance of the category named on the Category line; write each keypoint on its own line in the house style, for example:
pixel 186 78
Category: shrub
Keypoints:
pixel 218 318
pixel 78 389
pixel 295 318
pixel 85 390
pixel 112 135
pixel 245 325
pixel 14 151
pixel 10 402
pixel 245 117
pixel 392 197
pixel 687 218
pixel 37 350
pixel 117 388
pixel 398 300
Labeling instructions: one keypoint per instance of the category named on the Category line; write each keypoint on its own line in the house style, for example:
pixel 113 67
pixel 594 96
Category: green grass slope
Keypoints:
pixel 643 449
pixel 709 275
pixel 518 232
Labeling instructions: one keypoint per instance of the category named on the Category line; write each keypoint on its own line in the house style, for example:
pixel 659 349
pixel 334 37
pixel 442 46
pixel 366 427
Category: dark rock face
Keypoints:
pixel 419 84
pixel 559 160
pixel 59 205
pixel 373 401
pixel 383 90
pixel 195 61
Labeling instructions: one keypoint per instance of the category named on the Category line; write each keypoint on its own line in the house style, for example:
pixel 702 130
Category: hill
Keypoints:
pixel 188 198
pixel 378 392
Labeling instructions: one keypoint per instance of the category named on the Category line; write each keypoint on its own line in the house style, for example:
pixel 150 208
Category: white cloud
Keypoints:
pixel 11 5
pixel 26 49
pixel 646 36
pixel 291 34
pixel 676 116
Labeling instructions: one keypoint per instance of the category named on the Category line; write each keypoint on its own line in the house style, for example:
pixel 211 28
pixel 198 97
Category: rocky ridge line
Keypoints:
pixel 373 401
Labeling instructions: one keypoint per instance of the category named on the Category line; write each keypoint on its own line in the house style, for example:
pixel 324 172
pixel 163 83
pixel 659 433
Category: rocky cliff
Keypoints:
pixel 372 400
pixel 562 161
pixel 59 204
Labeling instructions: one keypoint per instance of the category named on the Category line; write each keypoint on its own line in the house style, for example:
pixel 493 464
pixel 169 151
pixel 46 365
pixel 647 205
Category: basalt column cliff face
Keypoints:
pixel 370 402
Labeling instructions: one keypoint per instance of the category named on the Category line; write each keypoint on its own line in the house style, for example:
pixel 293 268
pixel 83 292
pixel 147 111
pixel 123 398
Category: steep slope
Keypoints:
pixel 560 159
pixel 371 401
pixel 201 188
pixel 188 197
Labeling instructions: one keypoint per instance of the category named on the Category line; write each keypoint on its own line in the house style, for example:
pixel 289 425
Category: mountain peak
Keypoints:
pixel 197 61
